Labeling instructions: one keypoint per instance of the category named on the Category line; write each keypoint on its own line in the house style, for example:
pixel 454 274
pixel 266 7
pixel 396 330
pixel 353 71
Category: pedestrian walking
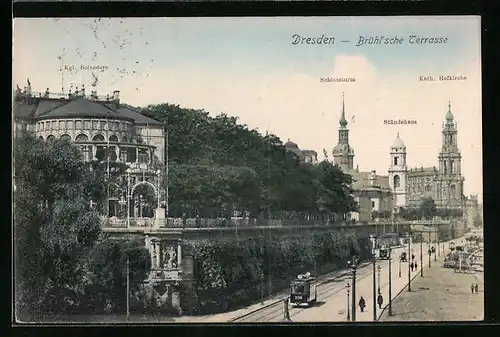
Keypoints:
pixel 286 313
pixel 476 288
pixel 416 266
pixel 472 288
pixel 380 300
pixel 362 304
pixel 412 265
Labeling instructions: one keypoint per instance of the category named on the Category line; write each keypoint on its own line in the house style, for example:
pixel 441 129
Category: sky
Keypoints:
pixel 250 68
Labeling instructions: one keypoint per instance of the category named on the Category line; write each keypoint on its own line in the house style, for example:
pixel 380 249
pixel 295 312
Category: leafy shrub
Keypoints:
pixel 229 275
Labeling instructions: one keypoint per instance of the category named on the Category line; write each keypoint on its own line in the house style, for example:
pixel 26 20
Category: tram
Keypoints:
pixel 384 253
pixel 303 290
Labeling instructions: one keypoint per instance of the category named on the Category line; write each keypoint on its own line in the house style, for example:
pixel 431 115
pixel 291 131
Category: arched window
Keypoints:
pixel 41 137
pixel 98 138
pixel 51 137
pixel 82 138
pixel 65 137
pixel 113 138
pixel 396 181
pixel 427 188
pixel 451 167
pixel 395 160
pixel 453 191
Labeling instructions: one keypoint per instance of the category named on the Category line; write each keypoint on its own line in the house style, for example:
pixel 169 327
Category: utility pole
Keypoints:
pixel 128 289
pixel 390 282
pixel 374 290
pixel 409 257
pixel 429 250
pixel 421 258
pixel 353 265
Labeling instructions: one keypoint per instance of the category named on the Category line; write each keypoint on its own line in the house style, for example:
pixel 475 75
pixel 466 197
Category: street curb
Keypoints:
pixel 341 274
pixel 256 310
pixel 400 292
pixel 396 296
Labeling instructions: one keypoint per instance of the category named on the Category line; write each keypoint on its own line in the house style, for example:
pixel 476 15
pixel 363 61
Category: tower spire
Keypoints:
pixel 343 121
pixel 449 115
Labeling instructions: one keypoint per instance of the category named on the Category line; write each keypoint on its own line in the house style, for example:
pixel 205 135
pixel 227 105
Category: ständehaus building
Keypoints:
pixel 444 183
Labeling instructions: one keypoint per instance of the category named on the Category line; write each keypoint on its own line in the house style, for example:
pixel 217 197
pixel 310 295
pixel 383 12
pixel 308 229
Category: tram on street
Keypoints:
pixel 303 290
pixel 383 253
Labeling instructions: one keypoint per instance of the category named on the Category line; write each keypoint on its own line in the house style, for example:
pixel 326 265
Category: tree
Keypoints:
pixel 108 269
pixel 334 193
pixel 427 208
pixel 53 224
pixel 217 164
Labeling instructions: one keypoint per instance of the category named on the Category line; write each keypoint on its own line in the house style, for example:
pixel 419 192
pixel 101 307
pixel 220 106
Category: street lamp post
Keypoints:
pixel 374 289
pixel 348 286
pixel 379 270
pixel 128 289
pixel 400 267
pixel 437 238
pixel 141 203
pixel 409 251
pixel 390 282
pixel 421 257
pixel 353 265
pixel 128 198
pixel 429 250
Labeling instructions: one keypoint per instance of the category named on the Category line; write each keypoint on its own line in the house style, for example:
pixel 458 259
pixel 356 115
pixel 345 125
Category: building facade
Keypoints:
pixel 444 183
pixel 307 156
pixel 105 130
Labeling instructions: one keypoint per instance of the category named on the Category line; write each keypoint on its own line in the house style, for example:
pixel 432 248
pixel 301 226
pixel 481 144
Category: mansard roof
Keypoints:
pixel 37 108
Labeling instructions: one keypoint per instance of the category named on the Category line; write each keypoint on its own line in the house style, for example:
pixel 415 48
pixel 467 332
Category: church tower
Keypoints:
pixel 343 153
pixel 398 171
pixel 450 184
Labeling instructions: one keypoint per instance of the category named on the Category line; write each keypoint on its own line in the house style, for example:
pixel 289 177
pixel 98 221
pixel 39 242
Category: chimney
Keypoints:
pixel 116 99
pixel 373 177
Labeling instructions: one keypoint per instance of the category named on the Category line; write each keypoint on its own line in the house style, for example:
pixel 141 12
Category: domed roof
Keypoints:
pixel 291 144
pixel 343 148
pixel 398 142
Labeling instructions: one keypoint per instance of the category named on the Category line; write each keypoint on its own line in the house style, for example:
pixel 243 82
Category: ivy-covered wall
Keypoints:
pixel 228 274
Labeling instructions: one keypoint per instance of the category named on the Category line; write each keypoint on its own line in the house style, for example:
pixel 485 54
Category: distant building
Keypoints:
pixel 307 156
pixel 473 212
pixel 371 191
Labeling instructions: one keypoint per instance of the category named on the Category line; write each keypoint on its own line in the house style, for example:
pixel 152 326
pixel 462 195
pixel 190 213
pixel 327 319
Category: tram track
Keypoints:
pixel 327 288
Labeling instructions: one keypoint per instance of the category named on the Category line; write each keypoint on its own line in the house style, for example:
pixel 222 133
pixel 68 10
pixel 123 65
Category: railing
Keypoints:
pixel 166 274
pixel 242 223
pixel 211 223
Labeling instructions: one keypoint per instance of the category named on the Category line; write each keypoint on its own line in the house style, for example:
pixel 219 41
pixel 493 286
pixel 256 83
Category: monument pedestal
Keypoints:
pixel 159 216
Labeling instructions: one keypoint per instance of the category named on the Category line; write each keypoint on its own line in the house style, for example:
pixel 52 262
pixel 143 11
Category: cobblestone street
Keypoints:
pixel 441 295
